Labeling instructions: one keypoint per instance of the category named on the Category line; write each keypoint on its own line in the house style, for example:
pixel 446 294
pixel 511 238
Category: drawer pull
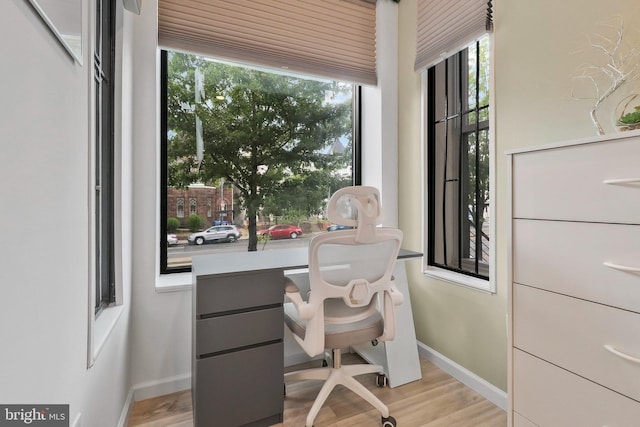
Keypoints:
pixel 621 267
pixel 618 353
pixel 622 181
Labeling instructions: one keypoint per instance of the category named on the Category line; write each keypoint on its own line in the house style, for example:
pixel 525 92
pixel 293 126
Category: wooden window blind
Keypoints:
pixel 447 26
pixel 327 38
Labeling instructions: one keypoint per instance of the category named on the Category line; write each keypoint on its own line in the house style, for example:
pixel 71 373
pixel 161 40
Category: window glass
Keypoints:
pixel 250 148
pixel 458 162
pixel 103 71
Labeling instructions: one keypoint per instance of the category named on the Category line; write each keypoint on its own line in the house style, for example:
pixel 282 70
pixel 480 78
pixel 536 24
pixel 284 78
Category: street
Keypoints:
pixel 181 254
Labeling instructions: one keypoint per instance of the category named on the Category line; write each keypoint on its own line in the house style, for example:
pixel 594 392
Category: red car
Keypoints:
pixel 282 231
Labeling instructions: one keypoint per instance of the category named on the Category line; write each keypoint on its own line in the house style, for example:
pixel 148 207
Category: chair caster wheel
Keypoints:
pixel 388 421
pixel 381 380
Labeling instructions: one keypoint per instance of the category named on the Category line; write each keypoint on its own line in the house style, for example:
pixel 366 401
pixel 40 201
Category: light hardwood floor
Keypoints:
pixel 437 400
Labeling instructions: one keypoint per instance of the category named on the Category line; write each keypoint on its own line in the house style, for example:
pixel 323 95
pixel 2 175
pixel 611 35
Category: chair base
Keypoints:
pixel 335 375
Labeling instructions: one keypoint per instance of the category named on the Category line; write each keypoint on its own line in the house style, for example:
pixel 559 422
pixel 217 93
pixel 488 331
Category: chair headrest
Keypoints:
pixel 357 206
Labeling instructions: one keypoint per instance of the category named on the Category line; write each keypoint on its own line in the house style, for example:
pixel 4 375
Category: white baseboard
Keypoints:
pixel 126 410
pixel 153 389
pixel 78 421
pixel 465 376
pixel 161 387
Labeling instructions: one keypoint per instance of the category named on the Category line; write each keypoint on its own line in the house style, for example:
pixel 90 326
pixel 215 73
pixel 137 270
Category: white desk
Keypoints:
pixel 230 290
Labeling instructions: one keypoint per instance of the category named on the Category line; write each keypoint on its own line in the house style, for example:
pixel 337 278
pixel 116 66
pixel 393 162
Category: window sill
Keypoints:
pixel 176 282
pixel 102 327
pixel 460 279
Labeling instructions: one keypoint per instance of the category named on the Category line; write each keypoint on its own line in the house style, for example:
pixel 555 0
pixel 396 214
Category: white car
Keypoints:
pixel 217 233
pixel 172 239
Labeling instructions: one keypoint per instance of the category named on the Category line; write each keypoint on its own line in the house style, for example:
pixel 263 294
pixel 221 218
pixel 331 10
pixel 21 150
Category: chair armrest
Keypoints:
pixel 291 291
pixel 396 295
pixel 290 287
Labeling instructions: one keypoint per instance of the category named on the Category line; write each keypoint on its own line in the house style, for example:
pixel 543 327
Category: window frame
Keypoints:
pixel 103 62
pixel 448 274
pixel 101 322
pixel 163 208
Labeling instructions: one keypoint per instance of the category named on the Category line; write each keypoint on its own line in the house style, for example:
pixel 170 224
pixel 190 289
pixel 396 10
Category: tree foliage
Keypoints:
pixel 268 134
pixel 478 159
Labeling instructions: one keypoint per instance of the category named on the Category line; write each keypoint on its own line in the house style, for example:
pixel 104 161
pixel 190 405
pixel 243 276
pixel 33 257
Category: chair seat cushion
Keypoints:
pixel 339 334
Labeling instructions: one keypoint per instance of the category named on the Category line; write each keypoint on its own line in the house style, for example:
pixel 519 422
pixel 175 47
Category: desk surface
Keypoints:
pixel 274 259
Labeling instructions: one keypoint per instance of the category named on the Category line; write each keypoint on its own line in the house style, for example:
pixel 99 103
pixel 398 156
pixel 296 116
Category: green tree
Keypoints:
pixel 479 157
pixel 195 222
pixel 269 134
pixel 172 224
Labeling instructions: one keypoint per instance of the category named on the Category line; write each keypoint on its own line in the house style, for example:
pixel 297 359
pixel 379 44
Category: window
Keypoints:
pixel 262 147
pixel 103 63
pixel 180 207
pixel 458 163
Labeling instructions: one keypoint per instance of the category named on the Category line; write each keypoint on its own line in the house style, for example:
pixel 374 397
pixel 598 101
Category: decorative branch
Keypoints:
pixel 622 65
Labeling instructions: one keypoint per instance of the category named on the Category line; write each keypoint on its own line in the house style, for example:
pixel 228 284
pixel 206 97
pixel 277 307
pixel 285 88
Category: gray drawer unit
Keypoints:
pixel 238 349
pixel 240 388
pixel 238 330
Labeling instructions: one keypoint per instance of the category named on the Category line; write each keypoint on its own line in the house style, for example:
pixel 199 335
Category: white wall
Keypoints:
pixel 44 209
pixel 379 116
pixel 161 322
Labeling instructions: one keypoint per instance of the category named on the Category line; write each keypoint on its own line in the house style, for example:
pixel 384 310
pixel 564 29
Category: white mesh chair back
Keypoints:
pixel 350 271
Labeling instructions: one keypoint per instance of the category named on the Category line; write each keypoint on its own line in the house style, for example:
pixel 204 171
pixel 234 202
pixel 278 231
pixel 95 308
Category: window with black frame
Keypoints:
pixel 245 149
pixel 103 63
pixel 458 162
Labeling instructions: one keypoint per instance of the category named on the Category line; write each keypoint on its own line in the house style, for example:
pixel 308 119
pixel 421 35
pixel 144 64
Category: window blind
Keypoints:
pixel 328 38
pixel 447 26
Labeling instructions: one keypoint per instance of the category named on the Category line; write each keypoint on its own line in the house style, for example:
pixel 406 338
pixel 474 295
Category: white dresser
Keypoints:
pixel 574 300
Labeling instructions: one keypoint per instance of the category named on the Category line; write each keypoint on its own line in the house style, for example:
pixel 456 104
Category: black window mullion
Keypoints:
pixel 478 230
pixel 445 161
pixel 463 155
pixel 431 163
pixel 357 135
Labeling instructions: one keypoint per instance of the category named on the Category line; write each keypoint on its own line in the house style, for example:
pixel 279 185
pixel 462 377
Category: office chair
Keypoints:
pixel 352 295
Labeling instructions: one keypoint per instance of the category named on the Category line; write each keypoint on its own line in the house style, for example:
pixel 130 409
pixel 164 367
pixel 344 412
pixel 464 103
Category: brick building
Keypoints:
pixel 213 204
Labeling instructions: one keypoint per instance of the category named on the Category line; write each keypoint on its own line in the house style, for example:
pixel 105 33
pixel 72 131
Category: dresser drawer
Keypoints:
pixel 573 333
pixel 568 183
pixel 220 293
pixel 240 388
pixel 239 330
pixel 569 257
pixel 552 397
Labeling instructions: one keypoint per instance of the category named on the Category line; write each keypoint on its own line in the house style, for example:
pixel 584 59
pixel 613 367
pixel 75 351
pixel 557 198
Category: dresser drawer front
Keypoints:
pixel 569 257
pixel 238 291
pixel 239 330
pixel 568 183
pixel 549 396
pixel 573 333
pixel 240 388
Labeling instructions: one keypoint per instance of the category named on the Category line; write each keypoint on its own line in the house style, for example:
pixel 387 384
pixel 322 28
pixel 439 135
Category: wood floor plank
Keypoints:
pixel 437 400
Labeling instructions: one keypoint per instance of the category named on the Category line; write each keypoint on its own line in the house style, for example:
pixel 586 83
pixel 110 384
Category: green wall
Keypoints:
pixel 538 47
